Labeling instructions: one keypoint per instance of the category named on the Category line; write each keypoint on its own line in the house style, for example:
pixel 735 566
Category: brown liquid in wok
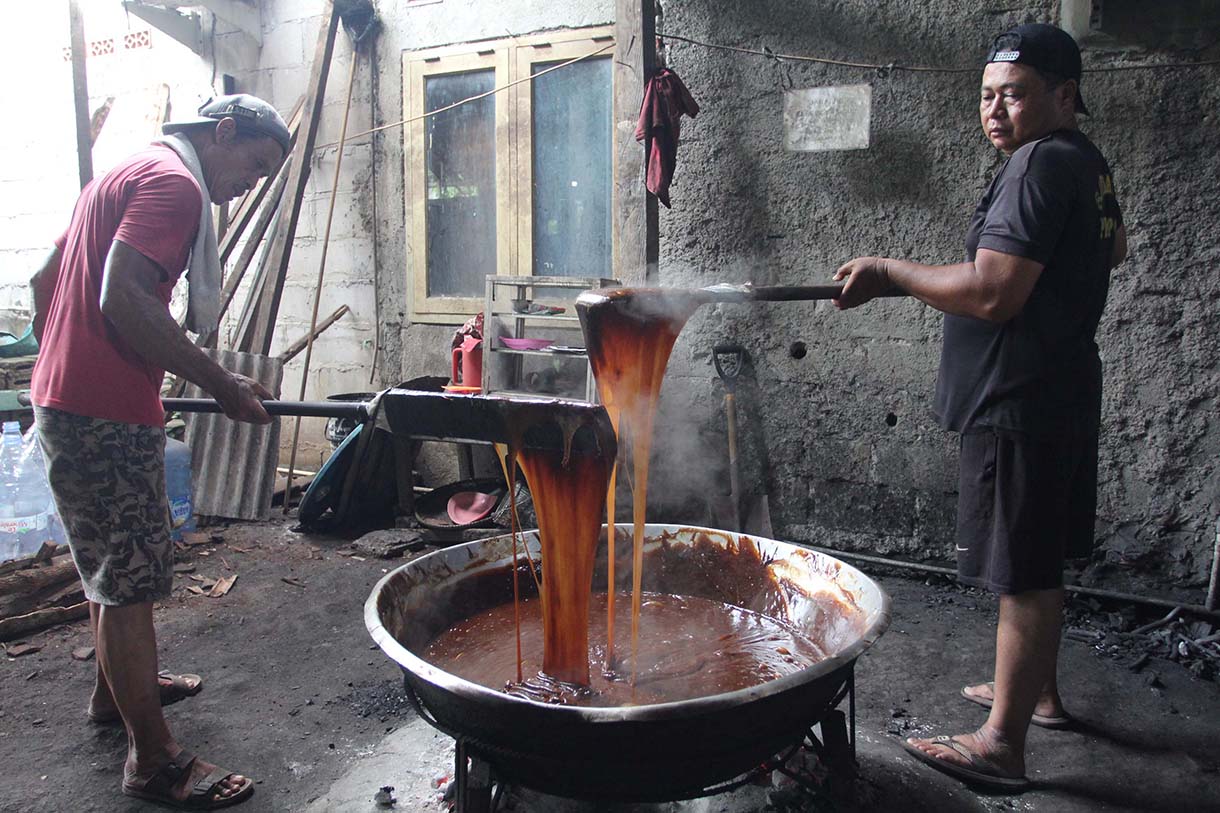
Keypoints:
pixel 688 647
pixel 681 647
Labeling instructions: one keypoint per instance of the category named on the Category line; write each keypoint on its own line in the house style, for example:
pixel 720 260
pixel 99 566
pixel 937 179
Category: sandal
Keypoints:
pixel 981 772
pixel 1057 722
pixel 160 786
pixel 178 688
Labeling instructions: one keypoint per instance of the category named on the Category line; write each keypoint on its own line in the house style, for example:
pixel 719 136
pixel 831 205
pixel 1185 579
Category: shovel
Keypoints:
pixel 728 358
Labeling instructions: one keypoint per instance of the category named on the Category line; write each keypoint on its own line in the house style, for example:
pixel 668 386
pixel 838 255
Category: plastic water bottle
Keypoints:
pixel 27 511
pixel 178 487
pixel 10 454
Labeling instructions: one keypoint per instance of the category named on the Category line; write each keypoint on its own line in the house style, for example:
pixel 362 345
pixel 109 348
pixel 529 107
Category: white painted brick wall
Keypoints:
pixel 284 45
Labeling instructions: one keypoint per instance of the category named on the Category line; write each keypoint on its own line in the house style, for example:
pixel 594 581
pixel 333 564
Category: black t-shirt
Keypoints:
pixel 1053 202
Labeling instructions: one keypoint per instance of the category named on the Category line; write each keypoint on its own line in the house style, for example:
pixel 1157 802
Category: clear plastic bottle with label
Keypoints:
pixel 27 511
pixel 178 487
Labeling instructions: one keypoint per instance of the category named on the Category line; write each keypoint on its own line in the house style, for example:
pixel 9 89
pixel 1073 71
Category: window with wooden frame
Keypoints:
pixel 514 183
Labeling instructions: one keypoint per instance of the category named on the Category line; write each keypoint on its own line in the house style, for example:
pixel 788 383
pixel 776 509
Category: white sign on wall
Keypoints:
pixel 828 118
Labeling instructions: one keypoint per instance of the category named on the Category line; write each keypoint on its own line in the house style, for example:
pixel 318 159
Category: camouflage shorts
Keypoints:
pixel 108 479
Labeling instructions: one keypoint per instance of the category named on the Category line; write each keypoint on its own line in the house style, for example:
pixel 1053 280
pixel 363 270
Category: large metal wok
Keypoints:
pixel 641 753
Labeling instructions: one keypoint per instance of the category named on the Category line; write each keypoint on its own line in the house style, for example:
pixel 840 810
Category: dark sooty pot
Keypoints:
pixel 638 753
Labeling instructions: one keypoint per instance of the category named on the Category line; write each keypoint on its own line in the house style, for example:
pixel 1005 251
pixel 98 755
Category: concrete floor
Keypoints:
pixel 296 696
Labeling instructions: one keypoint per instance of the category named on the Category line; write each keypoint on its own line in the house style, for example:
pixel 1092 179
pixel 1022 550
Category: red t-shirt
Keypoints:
pixel 152 203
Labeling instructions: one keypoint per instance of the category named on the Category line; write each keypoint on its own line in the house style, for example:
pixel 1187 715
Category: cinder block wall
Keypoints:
pixel 279 71
pixel 411 350
pixel 842 439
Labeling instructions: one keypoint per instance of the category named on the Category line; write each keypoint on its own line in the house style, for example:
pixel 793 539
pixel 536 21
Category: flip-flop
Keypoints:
pixel 982 771
pixel 159 787
pixel 179 687
pixel 1057 722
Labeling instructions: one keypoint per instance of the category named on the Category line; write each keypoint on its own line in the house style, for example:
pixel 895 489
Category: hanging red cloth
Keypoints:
pixel 666 99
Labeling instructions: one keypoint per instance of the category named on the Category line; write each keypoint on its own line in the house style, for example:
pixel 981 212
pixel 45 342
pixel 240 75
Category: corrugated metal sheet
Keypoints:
pixel 233 463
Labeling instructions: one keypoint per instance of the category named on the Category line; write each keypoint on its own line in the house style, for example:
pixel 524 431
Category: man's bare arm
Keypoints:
pixel 42 286
pixel 994 287
pixel 129 301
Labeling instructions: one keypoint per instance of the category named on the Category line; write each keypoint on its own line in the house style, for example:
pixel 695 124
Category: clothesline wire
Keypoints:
pixel 822 60
pixel 474 98
pixel 769 54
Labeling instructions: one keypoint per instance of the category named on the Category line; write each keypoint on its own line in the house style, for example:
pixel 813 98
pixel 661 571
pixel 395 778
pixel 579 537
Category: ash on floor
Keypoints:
pixel 296 698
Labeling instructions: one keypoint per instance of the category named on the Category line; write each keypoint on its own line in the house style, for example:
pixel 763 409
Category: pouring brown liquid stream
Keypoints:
pixel 571 493
pixel 629 335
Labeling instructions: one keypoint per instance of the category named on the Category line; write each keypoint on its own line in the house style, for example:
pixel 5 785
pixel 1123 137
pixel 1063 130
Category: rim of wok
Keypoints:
pixel 425 670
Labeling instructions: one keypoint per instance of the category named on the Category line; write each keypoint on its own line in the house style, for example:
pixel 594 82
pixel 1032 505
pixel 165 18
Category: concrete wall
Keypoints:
pixel 279 72
pixel 852 457
pixel 412 350
pixel 344 356
pixel 835 407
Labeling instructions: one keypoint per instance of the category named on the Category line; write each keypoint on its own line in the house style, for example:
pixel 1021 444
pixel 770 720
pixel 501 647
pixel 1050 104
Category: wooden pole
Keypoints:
pixel 18 626
pixel 257 231
pixel 80 94
pixel 317 291
pixel 267 297
pixel 296 347
pixel 21 590
pixel 635 210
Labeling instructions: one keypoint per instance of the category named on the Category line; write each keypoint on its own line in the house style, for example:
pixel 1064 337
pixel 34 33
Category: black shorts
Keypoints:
pixel 1024 505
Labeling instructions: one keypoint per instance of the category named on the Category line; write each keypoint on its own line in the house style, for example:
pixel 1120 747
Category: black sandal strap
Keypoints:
pixel 170 774
pixel 204 787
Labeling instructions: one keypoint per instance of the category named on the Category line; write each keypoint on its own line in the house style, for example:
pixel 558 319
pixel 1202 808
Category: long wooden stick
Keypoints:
pixel 296 347
pixel 80 93
pixel 18 589
pixel 317 291
pixel 255 237
pixel 245 319
pixel 267 297
pixel 17 626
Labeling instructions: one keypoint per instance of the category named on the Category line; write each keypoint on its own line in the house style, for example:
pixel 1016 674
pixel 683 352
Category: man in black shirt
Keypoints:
pixel 1020 379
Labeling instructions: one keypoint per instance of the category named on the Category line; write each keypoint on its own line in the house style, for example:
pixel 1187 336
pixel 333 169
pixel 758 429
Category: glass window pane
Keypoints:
pixel 460 156
pixel 571 139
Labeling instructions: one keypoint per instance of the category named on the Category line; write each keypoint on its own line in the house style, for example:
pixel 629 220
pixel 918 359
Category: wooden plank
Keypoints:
pixel 635 240
pixel 248 308
pixel 296 347
pixel 80 94
pixel 18 626
pixel 24 590
pixel 257 231
pixel 26 562
pixel 50 597
pixel 267 303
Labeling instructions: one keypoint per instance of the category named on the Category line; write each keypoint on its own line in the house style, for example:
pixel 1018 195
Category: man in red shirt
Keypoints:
pixel 106 336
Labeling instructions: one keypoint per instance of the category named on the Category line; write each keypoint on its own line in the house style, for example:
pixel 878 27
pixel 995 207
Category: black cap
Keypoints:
pixel 250 113
pixel 1044 47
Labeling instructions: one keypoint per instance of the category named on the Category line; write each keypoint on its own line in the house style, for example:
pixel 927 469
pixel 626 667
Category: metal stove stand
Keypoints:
pixel 477 791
